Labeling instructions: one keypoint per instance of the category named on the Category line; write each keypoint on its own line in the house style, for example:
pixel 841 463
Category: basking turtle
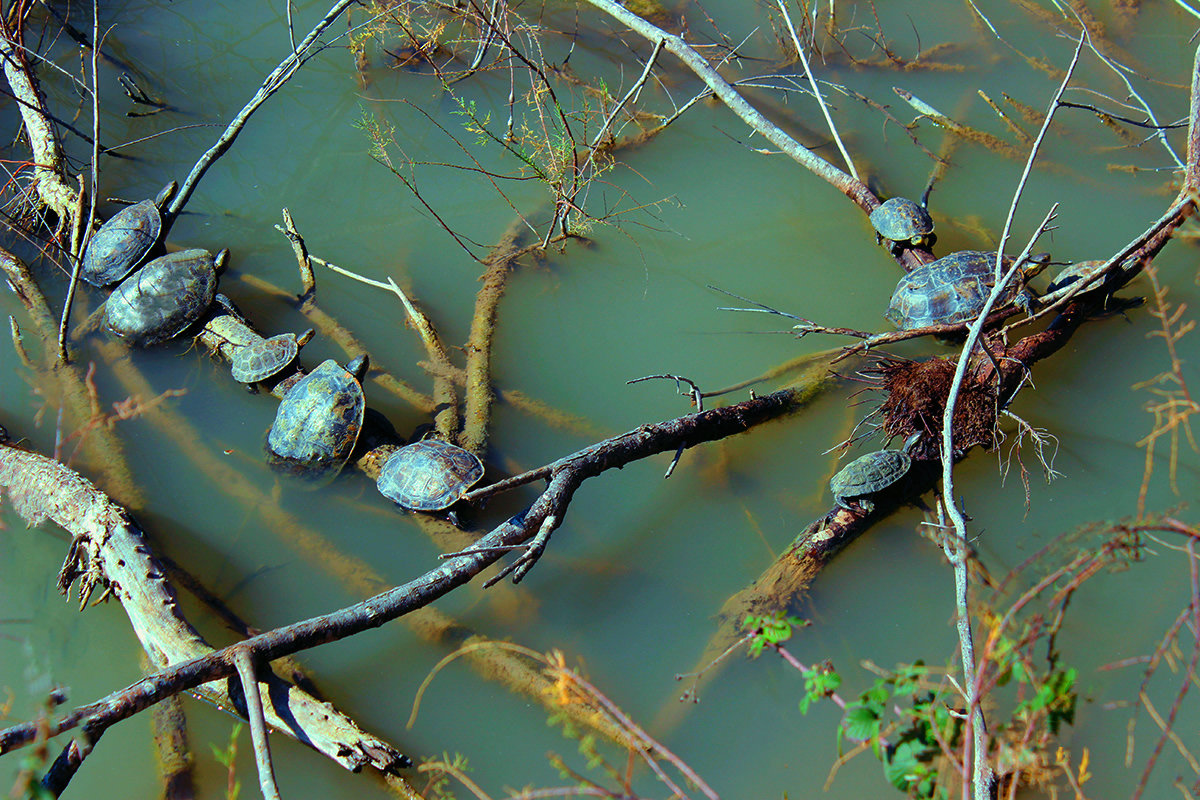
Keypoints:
pixel 955 287
pixel 163 298
pixel 123 241
pixel 227 328
pixel 266 357
pixel 318 422
pixel 903 223
pixel 1079 271
pixel 430 475
pixel 870 474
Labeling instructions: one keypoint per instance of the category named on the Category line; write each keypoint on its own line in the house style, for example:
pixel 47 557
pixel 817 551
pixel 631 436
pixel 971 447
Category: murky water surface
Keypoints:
pixel 634 578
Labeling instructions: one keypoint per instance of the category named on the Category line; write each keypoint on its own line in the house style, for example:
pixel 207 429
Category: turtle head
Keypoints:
pixel 220 260
pixel 925 240
pixel 165 195
pixel 358 367
pixel 1033 266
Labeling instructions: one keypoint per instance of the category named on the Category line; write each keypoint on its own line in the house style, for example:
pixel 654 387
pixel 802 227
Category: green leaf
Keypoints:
pixel 861 723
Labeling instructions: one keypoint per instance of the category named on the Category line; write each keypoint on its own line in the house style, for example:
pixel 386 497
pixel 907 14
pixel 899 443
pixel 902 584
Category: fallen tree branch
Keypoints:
pixel 204 667
pixel 109 549
pixel 52 188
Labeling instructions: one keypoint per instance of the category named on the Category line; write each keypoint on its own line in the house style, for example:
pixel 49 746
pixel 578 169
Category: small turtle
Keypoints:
pixel 163 298
pixel 1079 271
pixel 903 223
pixel 318 422
pixel 955 287
pixel 429 475
pixel 266 357
pixel 870 474
pixel 227 328
pixel 123 241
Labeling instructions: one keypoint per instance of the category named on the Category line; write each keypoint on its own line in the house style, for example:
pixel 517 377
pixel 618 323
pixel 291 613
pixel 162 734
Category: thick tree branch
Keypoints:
pixel 202 668
pixel 110 550
pixel 54 191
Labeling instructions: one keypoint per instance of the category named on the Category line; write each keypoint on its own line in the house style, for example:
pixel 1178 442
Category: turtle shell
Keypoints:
pixel 954 289
pixel 121 243
pixel 318 422
pixel 901 220
pixel 429 475
pixel 869 474
pixel 1080 270
pixel 164 297
pixel 263 358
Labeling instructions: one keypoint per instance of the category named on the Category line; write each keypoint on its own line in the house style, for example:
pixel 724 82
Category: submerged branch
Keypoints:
pixel 206 667
pixel 477 414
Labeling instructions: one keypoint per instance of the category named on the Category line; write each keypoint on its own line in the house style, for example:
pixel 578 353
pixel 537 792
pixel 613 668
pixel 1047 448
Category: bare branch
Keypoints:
pixel 271 84
pixel 849 186
pixel 244 662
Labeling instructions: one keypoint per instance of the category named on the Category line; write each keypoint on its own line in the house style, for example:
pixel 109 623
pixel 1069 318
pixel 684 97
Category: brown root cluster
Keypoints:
pixel 915 402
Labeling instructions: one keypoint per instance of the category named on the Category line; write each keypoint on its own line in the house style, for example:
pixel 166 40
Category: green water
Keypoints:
pixel 633 580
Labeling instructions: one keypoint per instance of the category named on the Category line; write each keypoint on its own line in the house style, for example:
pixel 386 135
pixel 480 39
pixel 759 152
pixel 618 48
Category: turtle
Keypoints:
pixel 226 325
pixel 266 357
pixel 165 297
pixel 1080 270
pixel 317 423
pixel 955 287
pixel 870 474
pixel 429 475
pixel 123 241
pixel 903 223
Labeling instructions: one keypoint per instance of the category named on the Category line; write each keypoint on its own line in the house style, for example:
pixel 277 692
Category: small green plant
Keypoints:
pixel 379 134
pixel 771 630
pixel 907 726
pixel 820 682
pixel 227 757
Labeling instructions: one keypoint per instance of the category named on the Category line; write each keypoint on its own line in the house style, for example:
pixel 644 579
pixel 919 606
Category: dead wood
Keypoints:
pixel 52 187
pixel 140 573
pixel 513 671
pixel 477 415
pixel 109 551
pixel 73 389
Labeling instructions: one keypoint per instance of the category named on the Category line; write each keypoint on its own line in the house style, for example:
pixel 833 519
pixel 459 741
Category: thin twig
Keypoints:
pixel 817 91
pixel 76 256
pixel 243 659
pixel 697 401
pixel 273 82
pixel 632 94
pixel 981 775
